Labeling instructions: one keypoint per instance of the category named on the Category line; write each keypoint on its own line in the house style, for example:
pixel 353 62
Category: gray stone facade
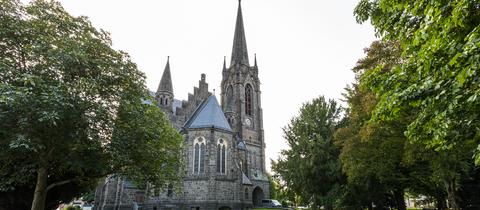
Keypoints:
pixel 224 148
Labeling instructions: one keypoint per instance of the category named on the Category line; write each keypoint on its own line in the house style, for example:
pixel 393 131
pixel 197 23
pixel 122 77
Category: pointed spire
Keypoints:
pixel 166 81
pixel 224 63
pixel 255 60
pixel 239 49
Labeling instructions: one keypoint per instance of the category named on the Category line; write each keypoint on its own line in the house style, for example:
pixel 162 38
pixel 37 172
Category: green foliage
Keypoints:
pixel 73 208
pixel 439 75
pixel 372 153
pixel 311 166
pixel 274 187
pixel 144 144
pixel 88 197
pixel 68 102
pixel 438 78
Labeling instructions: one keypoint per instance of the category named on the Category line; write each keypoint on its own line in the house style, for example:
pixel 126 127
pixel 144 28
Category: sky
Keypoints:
pixel 305 48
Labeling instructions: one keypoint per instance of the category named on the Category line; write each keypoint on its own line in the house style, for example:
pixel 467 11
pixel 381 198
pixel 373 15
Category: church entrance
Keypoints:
pixel 257 196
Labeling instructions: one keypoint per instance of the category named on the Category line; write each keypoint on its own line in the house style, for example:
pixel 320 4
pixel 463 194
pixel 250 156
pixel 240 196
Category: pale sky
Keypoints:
pixel 305 48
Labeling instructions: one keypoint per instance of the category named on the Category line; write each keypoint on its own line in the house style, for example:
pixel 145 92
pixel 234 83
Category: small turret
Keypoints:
pixel 164 94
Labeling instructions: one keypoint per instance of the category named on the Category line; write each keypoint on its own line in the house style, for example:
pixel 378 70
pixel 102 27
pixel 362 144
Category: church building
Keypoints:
pixel 224 145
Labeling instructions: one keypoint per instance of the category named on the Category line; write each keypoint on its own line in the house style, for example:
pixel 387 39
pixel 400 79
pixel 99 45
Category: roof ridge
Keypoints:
pixel 208 114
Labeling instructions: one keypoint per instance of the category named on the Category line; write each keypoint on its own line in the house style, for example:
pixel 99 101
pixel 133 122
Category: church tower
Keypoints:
pixel 240 91
pixel 164 94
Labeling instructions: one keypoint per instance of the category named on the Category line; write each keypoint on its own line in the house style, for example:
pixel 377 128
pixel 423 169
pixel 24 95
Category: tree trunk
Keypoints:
pixel 452 195
pixel 40 194
pixel 400 199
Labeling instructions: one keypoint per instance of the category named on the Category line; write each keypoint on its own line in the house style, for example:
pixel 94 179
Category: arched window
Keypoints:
pixel 229 97
pixel 221 156
pixel 166 102
pixel 161 101
pixel 199 156
pixel 246 193
pixel 248 100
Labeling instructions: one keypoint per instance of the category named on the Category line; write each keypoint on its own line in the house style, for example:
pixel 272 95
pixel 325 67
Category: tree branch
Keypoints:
pixel 60 183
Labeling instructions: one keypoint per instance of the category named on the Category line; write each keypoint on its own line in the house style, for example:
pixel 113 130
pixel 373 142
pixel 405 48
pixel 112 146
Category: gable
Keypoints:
pixel 209 114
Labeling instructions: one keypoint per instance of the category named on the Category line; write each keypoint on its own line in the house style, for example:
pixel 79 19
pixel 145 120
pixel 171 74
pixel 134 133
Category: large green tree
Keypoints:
pixel 311 167
pixel 73 109
pixel 372 153
pixel 440 73
pixel 439 76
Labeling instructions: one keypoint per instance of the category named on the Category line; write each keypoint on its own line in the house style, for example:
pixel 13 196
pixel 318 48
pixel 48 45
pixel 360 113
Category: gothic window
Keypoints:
pixel 231 121
pixel 248 100
pixel 196 159
pixel 166 102
pixel 199 156
pixel 219 151
pixel 161 101
pixel 221 156
pixel 202 156
pixel 224 158
pixel 229 100
pixel 246 193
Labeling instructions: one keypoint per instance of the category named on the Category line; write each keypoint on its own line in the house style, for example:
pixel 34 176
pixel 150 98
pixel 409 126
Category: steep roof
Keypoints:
pixel 209 114
pixel 166 81
pixel 239 49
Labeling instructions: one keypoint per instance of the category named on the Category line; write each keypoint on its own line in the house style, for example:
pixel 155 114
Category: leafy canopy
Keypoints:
pixel 440 73
pixel 73 107
pixel 311 167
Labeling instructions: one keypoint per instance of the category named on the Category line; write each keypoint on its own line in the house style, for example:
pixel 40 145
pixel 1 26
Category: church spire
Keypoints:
pixel 166 81
pixel 239 49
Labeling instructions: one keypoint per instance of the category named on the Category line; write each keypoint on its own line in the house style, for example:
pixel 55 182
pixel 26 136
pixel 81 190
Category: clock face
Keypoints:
pixel 248 122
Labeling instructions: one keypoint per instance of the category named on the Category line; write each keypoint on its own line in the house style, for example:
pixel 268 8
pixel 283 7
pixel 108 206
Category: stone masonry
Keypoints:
pixel 224 148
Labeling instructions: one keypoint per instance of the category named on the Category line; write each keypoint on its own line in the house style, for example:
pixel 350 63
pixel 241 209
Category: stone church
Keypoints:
pixel 224 146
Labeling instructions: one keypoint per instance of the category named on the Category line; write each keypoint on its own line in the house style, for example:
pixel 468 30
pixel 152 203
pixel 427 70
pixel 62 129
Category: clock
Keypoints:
pixel 248 122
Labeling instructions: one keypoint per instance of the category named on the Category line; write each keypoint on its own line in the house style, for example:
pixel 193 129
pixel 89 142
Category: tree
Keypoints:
pixel 274 187
pixel 311 167
pixel 372 153
pixel 438 76
pixel 68 102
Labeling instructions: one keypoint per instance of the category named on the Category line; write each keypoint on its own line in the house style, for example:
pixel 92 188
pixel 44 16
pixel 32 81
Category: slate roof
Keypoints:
pixel 209 114
pixel 246 180
pixel 241 144
pixel 166 81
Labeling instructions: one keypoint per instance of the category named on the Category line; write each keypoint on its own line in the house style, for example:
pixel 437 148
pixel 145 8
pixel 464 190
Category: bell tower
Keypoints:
pixel 241 101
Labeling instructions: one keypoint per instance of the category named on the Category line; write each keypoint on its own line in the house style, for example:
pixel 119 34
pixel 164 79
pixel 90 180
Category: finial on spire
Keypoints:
pixel 255 60
pixel 224 63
